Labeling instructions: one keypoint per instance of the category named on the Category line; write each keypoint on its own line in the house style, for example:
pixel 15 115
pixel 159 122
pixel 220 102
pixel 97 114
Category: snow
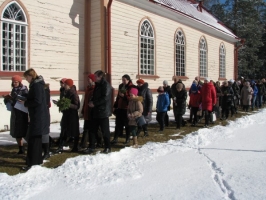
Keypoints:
pixel 223 162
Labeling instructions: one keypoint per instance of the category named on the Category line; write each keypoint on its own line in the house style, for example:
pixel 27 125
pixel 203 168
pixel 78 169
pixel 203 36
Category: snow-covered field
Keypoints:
pixel 217 163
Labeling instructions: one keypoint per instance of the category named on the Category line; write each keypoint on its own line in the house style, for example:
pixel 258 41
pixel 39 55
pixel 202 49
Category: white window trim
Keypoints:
pixel 154 43
pixel 222 53
pixel 206 53
pixel 184 52
pixel 15 23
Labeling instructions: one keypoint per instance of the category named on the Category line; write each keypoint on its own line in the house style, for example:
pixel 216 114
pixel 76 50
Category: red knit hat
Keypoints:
pixel 92 77
pixel 69 82
pixel 140 81
pixel 16 78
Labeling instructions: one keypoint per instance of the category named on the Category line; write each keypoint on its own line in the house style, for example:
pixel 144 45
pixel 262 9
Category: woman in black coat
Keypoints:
pixel 70 118
pixel 39 117
pixel 18 119
pixel 180 97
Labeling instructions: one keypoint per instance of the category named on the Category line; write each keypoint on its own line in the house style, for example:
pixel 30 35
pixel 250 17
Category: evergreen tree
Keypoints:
pixel 247 20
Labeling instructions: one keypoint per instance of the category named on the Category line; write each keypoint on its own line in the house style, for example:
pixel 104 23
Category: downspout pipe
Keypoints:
pixel 109 55
pixel 236 57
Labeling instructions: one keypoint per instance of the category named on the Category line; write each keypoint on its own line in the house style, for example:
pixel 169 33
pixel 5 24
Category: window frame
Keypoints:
pixel 184 53
pixel 26 23
pixel 140 75
pixel 222 52
pixel 200 57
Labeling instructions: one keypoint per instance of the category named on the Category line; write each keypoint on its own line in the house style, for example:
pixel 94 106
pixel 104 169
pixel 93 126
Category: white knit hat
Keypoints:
pixel 207 79
pixel 231 80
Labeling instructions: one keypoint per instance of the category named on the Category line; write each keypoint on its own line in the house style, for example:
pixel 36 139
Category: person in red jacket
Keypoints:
pixel 208 95
pixel 194 102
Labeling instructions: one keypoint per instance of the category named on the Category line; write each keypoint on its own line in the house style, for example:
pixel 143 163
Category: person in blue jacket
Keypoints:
pixel 254 97
pixel 162 106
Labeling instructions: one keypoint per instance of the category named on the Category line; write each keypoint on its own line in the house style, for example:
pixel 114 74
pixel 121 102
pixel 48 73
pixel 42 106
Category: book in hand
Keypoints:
pixel 8 97
pixel 19 97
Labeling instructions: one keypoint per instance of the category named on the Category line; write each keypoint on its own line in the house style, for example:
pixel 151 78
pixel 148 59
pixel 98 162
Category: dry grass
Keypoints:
pixel 11 163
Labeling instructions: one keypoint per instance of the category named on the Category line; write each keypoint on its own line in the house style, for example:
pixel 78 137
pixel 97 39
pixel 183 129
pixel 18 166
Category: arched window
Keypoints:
pixel 203 57
pixel 180 53
pixel 222 61
pixel 147 53
pixel 14 38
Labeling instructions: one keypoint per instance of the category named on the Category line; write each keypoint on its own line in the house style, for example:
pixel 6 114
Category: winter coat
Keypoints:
pixel 195 99
pixel 261 89
pixel 173 88
pixel 208 95
pixel 147 102
pixel 18 119
pixel 218 96
pixel 70 118
pixel 37 106
pixel 246 95
pixel 255 90
pixel 168 90
pixel 122 102
pixel 102 100
pixel 236 89
pixel 86 110
pixel 180 101
pixel 162 102
pixel 135 109
pixel 227 96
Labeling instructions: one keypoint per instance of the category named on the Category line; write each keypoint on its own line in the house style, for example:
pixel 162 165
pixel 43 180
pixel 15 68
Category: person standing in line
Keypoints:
pixel 18 119
pixel 246 96
pixel 180 97
pixel 227 100
pixel 261 93
pixel 135 109
pixel 208 95
pixel 86 111
pixel 70 118
pixel 46 139
pixel 167 89
pixel 147 103
pixel 120 109
pixel 194 102
pixel 162 104
pixel 39 117
pixel 101 111
pixel 254 96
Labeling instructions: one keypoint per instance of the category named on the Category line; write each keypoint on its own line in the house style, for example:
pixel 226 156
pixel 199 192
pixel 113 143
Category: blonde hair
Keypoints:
pixel 30 72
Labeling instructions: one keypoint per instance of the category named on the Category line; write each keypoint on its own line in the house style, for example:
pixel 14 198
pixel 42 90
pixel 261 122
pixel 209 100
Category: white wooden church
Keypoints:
pixel 155 40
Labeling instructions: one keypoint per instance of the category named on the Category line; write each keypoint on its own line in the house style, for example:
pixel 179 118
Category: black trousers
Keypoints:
pixel 160 119
pixel 34 152
pixel 207 117
pixel 179 120
pixel 103 124
pixel 166 119
pixel 121 121
pixel 194 111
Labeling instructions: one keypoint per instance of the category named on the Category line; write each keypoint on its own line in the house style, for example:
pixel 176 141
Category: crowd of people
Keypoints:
pixel 132 109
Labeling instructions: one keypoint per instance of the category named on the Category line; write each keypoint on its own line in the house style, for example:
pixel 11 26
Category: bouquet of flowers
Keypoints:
pixel 123 90
pixel 63 104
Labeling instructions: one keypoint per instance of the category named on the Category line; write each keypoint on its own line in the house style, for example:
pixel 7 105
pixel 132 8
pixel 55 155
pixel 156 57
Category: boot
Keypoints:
pixel 145 129
pixel 135 142
pixel 84 139
pixel 127 140
pixel 46 151
pixel 76 142
pixel 114 141
pixel 21 150
pixel 60 147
